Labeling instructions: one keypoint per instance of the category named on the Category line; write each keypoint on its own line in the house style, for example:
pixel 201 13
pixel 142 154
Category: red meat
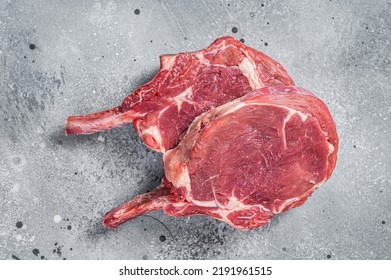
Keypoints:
pixel 186 85
pixel 245 161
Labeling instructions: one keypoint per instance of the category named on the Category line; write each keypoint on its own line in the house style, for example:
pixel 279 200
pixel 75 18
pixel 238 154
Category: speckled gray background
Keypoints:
pixel 59 58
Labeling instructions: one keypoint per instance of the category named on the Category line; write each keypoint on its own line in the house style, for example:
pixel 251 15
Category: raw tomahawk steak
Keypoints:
pixel 186 85
pixel 245 161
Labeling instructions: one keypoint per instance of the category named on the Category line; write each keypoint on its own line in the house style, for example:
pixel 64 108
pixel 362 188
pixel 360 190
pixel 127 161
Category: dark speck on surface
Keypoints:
pixel 383 222
pixel 137 11
pixel 145 257
pixel 42 257
pixel 15 257
pixel 329 256
pixel 32 47
pixel 57 251
pixel 266 44
pixel 234 30
pixel 36 252
pixel 151 41
pixel 242 40
pixel 354 146
pixel 284 249
pixel 19 224
pixel 267 22
pixel 162 238
pixel 262 5
pixel 69 227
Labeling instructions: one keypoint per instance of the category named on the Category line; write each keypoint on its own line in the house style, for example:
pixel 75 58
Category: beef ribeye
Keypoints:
pixel 245 161
pixel 186 85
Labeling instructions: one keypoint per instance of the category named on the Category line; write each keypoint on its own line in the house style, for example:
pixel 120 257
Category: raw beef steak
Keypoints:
pixel 245 161
pixel 186 85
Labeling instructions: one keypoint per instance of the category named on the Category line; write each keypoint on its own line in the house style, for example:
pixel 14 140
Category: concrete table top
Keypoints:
pixel 61 58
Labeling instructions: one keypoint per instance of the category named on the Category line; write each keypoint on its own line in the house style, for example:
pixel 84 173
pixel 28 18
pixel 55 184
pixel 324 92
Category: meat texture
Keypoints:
pixel 245 161
pixel 186 85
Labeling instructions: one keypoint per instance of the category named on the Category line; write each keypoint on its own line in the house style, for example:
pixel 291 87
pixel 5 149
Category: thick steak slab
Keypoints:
pixel 245 161
pixel 186 85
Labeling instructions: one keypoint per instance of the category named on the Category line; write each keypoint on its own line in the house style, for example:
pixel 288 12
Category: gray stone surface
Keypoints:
pixel 89 55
